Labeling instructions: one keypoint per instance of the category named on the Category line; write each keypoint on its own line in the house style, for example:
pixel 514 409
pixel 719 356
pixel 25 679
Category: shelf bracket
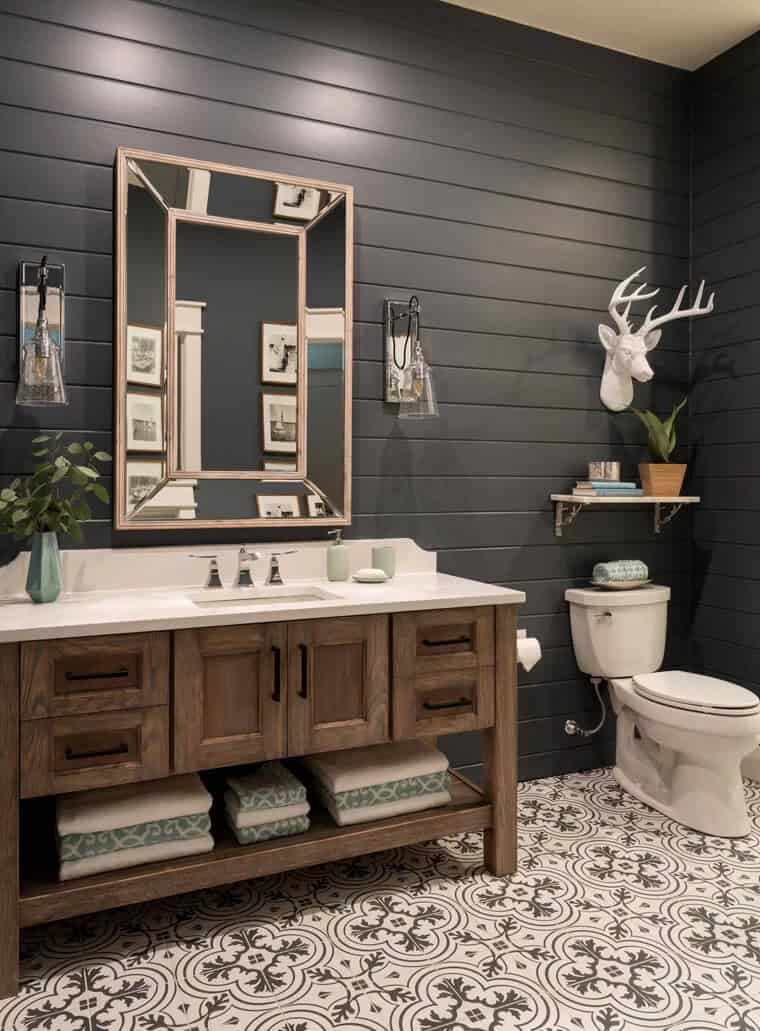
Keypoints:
pixel 565 513
pixel 664 511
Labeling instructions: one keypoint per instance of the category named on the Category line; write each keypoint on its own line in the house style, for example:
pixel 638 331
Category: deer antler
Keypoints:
pixel 620 297
pixel 677 312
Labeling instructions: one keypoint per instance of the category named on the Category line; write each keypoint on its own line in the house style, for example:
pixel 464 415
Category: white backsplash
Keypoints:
pixel 109 569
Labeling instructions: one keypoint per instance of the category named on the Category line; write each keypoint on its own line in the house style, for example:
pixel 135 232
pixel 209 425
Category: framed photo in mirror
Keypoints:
pixel 294 201
pixel 280 422
pixel 279 353
pixel 143 476
pixel 144 354
pixel 315 506
pixel 145 429
pixel 278 506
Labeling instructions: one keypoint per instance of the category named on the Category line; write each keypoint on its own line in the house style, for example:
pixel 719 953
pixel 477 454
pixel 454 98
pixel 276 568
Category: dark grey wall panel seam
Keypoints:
pixel 488 35
pixel 476 116
pixel 441 51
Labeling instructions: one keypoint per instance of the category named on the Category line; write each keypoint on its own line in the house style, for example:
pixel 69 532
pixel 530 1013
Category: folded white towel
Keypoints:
pixel 377 764
pixel 109 808
pixel 240 817
pixel 135 856
pixel 367 813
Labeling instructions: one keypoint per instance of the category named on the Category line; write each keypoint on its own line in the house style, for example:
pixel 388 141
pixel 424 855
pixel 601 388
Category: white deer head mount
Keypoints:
pixel 626 358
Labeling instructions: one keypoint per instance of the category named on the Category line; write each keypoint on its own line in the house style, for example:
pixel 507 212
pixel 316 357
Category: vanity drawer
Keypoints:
pixel 442 703
pixel 94 674
pixel 72 753
pixel 441 640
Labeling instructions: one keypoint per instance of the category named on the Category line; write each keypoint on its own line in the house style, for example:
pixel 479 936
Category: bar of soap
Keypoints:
pixel 370 576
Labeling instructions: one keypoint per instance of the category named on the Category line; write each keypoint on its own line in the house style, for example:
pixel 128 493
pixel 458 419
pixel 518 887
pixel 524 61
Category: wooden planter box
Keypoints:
pixel 662 479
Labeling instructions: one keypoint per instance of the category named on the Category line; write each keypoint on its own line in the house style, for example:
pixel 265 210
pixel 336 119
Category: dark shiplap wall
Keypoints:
pixel 508 176
pixel 726 356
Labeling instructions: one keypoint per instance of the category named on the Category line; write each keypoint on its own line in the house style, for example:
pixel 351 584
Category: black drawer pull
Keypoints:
pixel 277 692
pixel 303 690
pixel 116 674
pixel 435 706
pixel 71 755
pixel 442 644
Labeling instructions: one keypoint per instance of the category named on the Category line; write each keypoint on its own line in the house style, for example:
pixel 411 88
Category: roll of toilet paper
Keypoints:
pixel 528 652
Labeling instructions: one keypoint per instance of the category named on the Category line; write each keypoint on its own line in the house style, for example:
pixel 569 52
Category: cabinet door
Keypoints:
pixel 229 695
pixel 339 683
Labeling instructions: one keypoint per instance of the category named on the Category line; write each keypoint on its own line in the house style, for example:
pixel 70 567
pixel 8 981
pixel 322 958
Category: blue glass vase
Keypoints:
pixel 44 580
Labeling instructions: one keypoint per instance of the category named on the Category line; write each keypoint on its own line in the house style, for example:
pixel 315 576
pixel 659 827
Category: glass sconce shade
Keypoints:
pixel 41 376
pixel 41 337
pixel 423 403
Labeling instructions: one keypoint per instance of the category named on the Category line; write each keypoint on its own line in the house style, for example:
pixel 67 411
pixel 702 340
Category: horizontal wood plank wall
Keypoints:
pixel 508 176
pixel 726 366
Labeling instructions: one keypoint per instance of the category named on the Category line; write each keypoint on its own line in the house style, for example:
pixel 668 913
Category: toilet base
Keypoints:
pixel 709 816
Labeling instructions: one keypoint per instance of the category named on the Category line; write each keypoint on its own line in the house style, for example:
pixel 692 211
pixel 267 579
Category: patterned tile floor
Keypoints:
pixel 618 920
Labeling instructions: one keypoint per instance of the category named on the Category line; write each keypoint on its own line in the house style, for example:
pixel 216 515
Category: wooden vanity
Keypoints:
pixel 88 712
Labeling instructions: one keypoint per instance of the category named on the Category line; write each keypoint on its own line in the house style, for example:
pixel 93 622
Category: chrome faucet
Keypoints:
pixel 274 576
pixel 212 579
pixel 245 557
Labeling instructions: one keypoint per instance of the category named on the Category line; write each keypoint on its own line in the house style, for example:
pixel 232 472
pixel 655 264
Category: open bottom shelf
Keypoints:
pixel 44 898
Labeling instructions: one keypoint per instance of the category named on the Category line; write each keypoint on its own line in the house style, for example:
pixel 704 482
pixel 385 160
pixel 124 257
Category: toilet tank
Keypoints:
pixel 618 633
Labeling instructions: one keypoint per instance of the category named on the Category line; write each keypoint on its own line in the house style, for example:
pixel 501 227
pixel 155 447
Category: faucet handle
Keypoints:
pixel 213 579
pixel 274 576
pixel 248 553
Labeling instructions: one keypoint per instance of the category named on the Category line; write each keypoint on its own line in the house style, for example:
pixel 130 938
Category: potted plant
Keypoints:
pixel 53 500
pixel 661 477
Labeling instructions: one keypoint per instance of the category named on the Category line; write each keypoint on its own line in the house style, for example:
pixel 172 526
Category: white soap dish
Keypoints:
pixel 370 576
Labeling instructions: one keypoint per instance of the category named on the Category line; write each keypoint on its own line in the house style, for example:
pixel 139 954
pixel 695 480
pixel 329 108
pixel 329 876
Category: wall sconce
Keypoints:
pixel 41 339
pixel 408 376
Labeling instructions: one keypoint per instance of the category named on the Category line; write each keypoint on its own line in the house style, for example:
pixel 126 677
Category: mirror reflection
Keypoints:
pixel 234 345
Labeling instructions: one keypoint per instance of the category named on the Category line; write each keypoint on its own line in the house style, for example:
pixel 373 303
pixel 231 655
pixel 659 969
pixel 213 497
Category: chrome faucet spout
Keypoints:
pixel 245 558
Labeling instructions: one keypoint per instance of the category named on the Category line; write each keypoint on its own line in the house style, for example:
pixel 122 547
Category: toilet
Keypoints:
pixel 681 737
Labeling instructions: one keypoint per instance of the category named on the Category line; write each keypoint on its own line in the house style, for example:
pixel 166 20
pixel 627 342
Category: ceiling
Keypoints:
pixel 683 33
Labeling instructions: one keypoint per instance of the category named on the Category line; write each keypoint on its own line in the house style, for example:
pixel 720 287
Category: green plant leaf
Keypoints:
pixel 19 515
pixel 41 440
pixel 88 446
pixel 7 494
pixel 59 474
pixel 85 470
pixel 101 493
pixel 40 452
pixel 61 462
pixel 102 456
pixel 75 448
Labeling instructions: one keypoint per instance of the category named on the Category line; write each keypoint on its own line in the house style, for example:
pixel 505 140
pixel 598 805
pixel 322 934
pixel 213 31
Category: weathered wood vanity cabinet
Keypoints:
pixel 97 711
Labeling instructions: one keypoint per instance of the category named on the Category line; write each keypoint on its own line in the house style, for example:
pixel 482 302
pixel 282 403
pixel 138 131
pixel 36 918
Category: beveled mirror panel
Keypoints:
pixel 233 346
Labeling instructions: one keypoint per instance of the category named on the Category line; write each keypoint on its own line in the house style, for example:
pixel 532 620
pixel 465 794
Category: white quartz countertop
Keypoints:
pixel 89 613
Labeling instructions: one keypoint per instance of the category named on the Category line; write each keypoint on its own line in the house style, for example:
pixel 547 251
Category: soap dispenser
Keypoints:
pixel 338 565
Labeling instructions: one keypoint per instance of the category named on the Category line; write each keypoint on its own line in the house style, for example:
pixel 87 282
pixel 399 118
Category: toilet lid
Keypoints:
pixel 696 692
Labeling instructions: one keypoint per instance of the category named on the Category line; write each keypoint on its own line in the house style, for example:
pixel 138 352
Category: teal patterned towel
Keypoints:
pixel 265 831
pixel 271 786
pixel 83 846
pixel 392 791
pixel 622 569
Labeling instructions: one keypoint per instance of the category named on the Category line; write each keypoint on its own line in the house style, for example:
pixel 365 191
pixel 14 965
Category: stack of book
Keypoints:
pixel 607 489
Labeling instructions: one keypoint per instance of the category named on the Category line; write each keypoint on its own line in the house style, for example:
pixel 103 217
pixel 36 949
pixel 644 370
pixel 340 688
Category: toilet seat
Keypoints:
pixel 696 693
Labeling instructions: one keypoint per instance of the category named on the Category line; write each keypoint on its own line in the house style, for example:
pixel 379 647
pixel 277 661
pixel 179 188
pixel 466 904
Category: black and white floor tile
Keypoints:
pixel 618 920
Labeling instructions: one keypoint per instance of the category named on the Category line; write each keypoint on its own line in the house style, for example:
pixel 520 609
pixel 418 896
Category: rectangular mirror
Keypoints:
pixel 233 346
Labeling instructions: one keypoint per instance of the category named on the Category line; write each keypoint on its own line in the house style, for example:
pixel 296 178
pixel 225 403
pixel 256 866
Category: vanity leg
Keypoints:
pixel 9 792
pixel 501 750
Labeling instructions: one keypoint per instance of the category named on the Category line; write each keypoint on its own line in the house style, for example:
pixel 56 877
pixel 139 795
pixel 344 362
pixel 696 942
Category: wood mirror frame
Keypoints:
pixel 123 520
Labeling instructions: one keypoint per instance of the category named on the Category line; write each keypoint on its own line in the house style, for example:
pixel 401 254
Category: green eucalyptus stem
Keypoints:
pixel 55 498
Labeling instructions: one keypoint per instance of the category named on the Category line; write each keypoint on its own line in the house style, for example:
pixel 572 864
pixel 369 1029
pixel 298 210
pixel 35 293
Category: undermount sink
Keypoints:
pixel 247 597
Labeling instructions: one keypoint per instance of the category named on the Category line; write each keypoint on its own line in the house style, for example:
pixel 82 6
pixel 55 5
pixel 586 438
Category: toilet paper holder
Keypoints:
pixel 528 650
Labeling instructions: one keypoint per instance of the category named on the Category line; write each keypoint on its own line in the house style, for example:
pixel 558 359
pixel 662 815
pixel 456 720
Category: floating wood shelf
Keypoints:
pixel 44 897
pixel 567 507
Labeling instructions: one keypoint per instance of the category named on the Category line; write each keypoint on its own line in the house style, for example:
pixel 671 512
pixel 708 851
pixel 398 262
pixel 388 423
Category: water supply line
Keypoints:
pixel 575 730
